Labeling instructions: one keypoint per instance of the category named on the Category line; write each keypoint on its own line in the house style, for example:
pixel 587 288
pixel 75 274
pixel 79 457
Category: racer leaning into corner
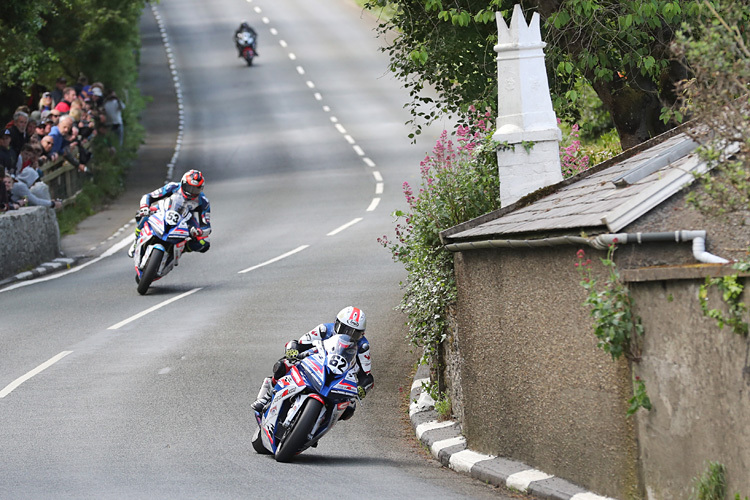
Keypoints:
pixel 240 39
pixel 350 321
pixel 190 188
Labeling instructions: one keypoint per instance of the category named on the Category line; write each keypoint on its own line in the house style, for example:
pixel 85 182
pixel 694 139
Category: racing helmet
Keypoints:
pixel 351 321
pixel 191 184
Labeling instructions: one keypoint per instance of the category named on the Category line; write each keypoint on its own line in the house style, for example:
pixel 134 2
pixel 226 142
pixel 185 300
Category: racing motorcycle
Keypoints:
pixel 162 241
pixel 246 42
pixel 309 400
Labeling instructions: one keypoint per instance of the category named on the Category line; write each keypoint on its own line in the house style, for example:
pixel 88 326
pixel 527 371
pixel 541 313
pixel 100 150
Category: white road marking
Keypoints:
pixel 20 380
pixel 300 70
pixel 368 162
pixel 373 204
pixel 340 127
pixel 257 9
pixel 275 259
pixel 377 176
pixel 379 188
pixel 266 20
pixel 152 309
pixel 274 32
pixel 341 228
pixel 282 43
pixel 318 97
pixel 112 250
pixel 292 56
pixel 349 139
pixel 359 151
pixel 310 84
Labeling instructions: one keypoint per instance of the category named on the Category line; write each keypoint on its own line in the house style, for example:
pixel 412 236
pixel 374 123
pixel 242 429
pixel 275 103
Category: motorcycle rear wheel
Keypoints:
pixel 149 273
pixel 293 441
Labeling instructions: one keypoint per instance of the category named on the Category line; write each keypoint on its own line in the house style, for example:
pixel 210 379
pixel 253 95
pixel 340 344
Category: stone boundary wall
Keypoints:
pixel 30 236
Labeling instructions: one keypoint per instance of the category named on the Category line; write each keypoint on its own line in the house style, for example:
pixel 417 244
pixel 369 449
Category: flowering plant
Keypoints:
pixel 572 158
pixel 459 181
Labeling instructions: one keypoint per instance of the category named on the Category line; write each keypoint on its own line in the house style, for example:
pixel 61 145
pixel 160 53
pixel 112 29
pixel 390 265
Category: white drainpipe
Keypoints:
pixel 600 242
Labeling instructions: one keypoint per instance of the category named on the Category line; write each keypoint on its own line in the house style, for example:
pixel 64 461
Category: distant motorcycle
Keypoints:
pixel 309 400
pixel 162 241
pixel 246 42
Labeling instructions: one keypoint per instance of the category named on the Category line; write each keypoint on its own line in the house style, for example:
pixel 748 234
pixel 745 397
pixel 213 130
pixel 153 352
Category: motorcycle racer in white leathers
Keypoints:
pixel 350 321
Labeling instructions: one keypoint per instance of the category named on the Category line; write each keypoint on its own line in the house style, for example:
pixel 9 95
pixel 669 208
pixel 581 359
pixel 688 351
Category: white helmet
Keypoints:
pixel 351 321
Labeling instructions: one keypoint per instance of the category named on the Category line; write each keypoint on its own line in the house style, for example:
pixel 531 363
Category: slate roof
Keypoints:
pixel 591 200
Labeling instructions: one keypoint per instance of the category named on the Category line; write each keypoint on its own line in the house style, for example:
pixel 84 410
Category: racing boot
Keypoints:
pixel 131 250
pixel 264 396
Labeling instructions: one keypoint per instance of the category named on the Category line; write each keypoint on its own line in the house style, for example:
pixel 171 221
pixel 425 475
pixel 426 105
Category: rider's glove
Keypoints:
pixel 361 392
pixel 144 211
pixel 291 354
pixel 196 232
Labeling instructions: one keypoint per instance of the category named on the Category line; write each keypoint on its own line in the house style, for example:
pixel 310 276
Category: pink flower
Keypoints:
pixel 580 254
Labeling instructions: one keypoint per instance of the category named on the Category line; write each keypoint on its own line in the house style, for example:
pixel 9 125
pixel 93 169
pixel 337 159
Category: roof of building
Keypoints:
pixel 605 198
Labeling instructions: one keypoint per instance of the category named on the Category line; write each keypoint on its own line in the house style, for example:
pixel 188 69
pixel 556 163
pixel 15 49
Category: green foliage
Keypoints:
pixel 640 399
pixel 43 39
pixel 459 182
pixel 620 48
pixel 615 325
pixel 731 290
pixel 712 484
pixel 442 401
pixel 718 56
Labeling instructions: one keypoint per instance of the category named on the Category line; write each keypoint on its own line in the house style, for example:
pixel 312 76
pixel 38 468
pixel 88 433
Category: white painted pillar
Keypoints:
pixel 526 122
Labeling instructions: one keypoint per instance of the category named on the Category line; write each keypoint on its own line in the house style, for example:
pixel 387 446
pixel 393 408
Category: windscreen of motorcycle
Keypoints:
pixel 341 353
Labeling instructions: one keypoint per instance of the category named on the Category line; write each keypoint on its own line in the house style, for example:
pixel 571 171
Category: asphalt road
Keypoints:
pixel 304 151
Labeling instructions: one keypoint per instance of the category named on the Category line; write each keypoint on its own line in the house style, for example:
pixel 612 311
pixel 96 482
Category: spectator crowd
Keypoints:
pixel 60 125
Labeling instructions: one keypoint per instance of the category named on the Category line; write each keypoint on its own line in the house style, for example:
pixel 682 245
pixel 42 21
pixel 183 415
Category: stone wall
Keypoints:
pixel 30 236
pixel 698 379
pixel 535 386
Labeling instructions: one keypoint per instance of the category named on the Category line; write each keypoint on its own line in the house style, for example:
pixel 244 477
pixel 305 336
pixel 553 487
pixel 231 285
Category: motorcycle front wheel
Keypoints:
pixel 293 441
pixel 149 272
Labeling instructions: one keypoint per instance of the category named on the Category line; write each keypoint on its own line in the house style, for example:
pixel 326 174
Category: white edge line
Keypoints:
pixel 341 228
pixel 111 251
pixel 152 309
pixel 368 162
pixel 20 380
pixel 379 188
pixel 283 256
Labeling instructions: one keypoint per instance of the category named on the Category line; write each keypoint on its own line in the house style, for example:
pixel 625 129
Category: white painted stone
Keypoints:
pixel 464 460
pixel 446 443
pixel 589 496
pixel 522 480
pixel 430 426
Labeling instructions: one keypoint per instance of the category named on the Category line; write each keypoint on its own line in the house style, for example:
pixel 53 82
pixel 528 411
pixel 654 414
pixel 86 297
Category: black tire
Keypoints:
pixel 249 61
pixel 297 437
pixel 258 444
pixel 149 273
